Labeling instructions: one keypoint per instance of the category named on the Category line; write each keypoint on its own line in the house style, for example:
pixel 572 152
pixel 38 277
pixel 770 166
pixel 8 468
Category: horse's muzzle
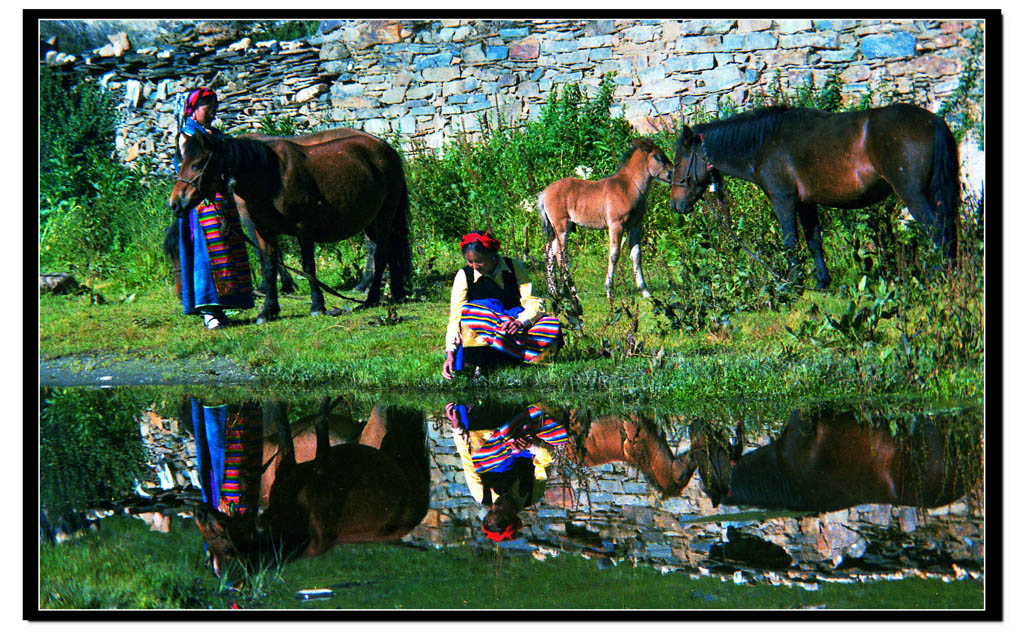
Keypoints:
pixel 177 207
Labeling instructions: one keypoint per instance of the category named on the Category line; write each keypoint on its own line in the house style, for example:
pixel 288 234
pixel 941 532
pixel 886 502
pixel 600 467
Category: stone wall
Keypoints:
pixel 423 81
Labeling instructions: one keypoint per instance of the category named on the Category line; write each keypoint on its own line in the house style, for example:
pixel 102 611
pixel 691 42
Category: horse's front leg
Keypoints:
pixel 634 237
pixel 268 264
pixel 309 266
pixel 785 210
pixel 812 233
pixel 614 243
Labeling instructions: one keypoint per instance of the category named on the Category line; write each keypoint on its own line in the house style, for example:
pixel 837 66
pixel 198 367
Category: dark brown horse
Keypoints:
pixel 802 158
pixel 338 482
pixel 617 203
pixel 826 461
pixel 320 193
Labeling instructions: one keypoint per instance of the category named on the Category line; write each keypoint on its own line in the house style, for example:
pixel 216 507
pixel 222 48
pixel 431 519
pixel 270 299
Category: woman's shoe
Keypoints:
pixel 212 322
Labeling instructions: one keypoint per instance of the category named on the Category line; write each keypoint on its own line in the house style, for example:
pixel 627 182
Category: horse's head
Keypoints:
pixel 715 458
pixel 229 541
pixel 200 175
pixel 659 166
pixel 692 173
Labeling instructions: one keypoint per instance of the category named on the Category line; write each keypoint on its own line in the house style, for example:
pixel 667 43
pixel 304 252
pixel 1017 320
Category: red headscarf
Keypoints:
pixel 192 103
pixel 488 241
pixel 507 534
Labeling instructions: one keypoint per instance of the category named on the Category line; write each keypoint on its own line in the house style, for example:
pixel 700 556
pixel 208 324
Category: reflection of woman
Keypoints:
pixel 215 274
pixel 505 466
pixel 229 455
pixel 494 317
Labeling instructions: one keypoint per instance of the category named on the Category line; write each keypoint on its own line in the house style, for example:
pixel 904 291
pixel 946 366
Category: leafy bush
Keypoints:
pixel 285 30
pixel 469 182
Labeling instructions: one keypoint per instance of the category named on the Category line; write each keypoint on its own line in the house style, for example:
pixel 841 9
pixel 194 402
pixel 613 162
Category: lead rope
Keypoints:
pixel 280 263
pixel 722 217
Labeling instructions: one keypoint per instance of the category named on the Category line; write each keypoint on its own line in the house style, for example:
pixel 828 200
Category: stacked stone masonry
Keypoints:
pixel 424 81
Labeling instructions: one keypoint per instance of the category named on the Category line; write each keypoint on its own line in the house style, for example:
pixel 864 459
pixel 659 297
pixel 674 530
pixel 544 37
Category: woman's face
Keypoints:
pixel 481 261
pixel 205 114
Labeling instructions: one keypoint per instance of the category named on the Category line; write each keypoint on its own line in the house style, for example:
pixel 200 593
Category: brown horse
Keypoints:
pixel 826 461
pixel 340 482
pixel 320 193
pixel 308 139
pixel 802 158
pixel 635 440
pixel 617 202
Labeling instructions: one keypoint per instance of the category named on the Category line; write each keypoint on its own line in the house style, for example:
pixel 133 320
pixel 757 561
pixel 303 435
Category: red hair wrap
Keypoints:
pixel 192 103
pixel 507 534
pixel 488 241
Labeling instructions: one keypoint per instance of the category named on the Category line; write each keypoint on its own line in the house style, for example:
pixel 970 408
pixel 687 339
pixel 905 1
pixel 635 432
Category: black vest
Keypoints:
pixel 485 287
pixel 520 471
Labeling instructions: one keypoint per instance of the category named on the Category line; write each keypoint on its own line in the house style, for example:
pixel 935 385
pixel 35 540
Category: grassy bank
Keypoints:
pixel 126 566
pixel 630 348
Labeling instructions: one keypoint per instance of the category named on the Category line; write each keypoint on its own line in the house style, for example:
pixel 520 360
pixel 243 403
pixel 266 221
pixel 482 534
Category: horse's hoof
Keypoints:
pixel 316 313
pixel 645 294
pixel 263 319
pixel 823 285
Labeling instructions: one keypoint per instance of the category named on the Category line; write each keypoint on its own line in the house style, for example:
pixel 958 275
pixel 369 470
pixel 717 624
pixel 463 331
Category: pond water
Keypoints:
pixel 747 492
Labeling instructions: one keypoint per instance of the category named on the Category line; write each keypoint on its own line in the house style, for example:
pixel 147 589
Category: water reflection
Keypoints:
pixel 834 492
pixel 827 460
pixel 505 454
pixel 277 488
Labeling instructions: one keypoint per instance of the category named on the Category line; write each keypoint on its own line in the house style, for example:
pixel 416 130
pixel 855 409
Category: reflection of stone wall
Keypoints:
pixel 610 513
pixel 425 80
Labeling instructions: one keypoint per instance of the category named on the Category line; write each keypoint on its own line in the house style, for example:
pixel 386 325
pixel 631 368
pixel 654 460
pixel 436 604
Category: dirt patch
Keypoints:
pixel 112 370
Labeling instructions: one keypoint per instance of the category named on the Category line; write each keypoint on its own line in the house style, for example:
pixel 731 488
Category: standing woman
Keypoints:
pixel 215 273
pixel 494 317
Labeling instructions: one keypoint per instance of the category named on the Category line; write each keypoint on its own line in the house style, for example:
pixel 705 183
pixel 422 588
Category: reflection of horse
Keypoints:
pixel 319 193
pixel 617 202
pixel 315 495
pixel 828 461
pixel 802 158
pixel 637 441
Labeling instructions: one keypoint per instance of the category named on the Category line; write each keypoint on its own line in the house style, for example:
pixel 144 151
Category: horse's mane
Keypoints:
pixel 636 144
pixel 739 138
pixel 244 155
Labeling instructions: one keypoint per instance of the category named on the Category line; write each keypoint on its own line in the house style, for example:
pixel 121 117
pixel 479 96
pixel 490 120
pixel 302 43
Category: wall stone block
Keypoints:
pixel 812 40
pixel 750 41
pixel 690 63
pixel 795 26
pixel 889 45
pixel 722 78
pixel 840 56
pixel 698 44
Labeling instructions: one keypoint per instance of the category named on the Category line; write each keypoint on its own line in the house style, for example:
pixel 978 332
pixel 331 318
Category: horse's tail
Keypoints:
pixel 399 251
pixel 545 222
pixel 170 248
pixel 944 190
pixel 171 242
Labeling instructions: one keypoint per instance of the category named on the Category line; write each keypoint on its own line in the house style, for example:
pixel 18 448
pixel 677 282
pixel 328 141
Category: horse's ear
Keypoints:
pixel 686 137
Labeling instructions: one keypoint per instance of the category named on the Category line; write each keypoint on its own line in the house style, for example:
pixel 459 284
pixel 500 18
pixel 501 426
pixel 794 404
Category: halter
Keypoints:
pixel 691 171
pixel 194 182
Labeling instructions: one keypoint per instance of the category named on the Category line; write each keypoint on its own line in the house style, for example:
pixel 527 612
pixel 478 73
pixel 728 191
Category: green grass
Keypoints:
pixel 751 357
pixel 126 566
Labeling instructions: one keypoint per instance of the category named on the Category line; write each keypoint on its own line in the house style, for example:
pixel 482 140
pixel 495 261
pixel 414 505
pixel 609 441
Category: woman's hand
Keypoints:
pixel 448 369
pixel 511 326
